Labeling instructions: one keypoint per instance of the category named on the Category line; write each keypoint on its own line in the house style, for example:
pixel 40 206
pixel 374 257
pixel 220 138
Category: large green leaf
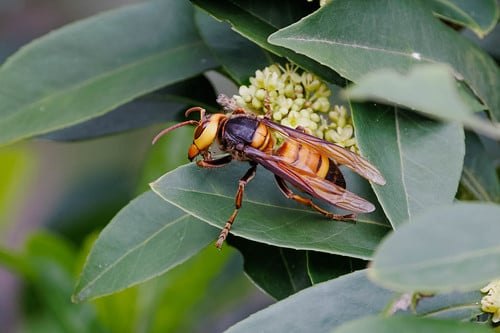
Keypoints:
pixel 256 20
pixel 452 247
pixel 429 88
pixel 266 215
pixel 420 158
pixel 479 16
pixel 90 67
pixel 352 37
pixel 410 324
pixel 319 308
pixel 159 106
pixel 327 305
pixel 145 239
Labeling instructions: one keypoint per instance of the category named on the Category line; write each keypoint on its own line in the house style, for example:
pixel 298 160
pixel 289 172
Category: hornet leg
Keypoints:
pixel 218 163
pixel 239 198
pixel 308 202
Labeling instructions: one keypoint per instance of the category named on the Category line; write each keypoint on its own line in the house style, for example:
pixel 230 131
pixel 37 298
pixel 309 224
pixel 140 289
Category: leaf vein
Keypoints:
pixel 357 46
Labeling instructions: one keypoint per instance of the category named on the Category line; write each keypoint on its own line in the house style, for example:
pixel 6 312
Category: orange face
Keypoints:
pixel 205 134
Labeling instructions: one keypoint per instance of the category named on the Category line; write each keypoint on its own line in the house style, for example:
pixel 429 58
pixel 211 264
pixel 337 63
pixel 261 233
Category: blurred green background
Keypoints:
pixel 56 196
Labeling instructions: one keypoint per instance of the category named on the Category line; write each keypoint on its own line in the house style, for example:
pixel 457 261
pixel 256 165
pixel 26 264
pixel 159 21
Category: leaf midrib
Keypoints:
pixel 357 46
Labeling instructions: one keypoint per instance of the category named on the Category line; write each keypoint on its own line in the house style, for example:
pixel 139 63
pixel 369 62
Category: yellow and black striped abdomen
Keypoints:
pixel 304 158
pixel 262 138
pixel 310 161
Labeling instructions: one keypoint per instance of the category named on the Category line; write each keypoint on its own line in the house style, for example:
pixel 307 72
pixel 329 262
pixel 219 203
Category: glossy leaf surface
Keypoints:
pixel 319 308
pixel 146 238
pixel 420 158
pixel 351 37
pixel 91 67
pixel 159 106
pixel 256 20
pixel 453 247
pixel 266 215
pixel 430 89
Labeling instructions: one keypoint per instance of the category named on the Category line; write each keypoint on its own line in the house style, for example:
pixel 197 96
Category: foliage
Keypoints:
pixel 425 102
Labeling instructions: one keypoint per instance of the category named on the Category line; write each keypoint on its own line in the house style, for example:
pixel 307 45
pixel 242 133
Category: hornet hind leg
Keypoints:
pixel 287 192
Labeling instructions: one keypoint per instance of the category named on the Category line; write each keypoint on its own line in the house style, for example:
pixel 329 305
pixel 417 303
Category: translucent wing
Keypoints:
pixel 339 154
pixel 310 183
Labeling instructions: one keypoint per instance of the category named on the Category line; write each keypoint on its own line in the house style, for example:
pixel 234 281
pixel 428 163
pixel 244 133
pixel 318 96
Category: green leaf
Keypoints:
pixel 319 308
pixel 479 175
pixel 410 324
pixel 159 106
pixel 230 48
pixel 266 215
pixel 256 20
pixel 430 89
pixel 452 247
pixel 90 67
pixel 421 159
pixel 145 239
pixel 351 37
pixel 479 16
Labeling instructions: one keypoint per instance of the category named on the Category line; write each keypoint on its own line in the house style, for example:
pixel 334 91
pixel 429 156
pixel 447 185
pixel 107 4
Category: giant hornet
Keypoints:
pixel 307 162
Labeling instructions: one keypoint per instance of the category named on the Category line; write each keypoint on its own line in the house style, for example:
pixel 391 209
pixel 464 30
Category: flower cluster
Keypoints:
pixel 298 99
pixel 491 301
